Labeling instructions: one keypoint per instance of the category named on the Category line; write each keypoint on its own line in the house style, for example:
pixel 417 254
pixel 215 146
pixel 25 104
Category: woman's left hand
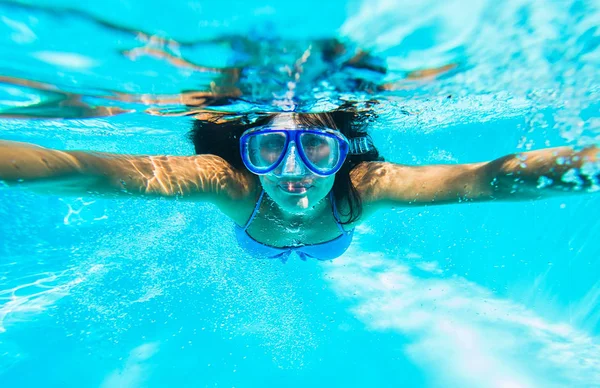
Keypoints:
pixel 527 175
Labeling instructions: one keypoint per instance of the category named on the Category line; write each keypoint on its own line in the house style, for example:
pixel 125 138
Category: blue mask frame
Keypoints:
pixel 294 135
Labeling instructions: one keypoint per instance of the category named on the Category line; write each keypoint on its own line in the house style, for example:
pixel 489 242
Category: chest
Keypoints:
pixel 268 228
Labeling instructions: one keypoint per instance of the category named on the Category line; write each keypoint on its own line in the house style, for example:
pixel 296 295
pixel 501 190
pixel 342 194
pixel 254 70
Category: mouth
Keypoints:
pixel 294 187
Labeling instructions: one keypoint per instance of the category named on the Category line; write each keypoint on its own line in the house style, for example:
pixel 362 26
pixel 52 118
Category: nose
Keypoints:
pixel 292 165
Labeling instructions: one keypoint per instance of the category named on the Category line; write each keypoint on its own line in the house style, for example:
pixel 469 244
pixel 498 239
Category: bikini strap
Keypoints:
pixel 256 207
pixel 335 212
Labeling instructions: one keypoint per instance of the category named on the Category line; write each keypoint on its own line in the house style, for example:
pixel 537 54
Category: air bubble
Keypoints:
pixel 544 182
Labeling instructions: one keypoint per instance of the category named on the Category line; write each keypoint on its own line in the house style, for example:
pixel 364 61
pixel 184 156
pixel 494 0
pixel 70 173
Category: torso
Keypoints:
pixel 269 228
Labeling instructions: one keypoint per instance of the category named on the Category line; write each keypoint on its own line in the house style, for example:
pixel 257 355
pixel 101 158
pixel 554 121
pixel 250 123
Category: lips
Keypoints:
pixel 294 187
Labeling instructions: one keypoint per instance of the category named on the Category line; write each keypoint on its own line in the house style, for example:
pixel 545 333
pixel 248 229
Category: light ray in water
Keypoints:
pixel 460 332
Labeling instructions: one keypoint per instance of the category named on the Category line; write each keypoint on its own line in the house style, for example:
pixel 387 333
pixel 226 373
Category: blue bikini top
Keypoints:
pixel 323 251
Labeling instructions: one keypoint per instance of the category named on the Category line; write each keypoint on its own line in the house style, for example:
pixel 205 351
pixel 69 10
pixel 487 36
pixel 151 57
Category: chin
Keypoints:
pixel 296 203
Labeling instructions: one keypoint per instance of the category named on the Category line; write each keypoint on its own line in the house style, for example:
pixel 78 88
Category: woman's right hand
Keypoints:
pixel 199 177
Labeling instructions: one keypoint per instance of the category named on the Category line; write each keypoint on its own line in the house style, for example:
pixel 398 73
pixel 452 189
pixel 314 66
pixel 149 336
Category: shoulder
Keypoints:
pixel 231 185
pixel 214 179
pixel 364 178
pixel 203 177
pixel 206 172
pixel 371 178
pixel 238 195
pixel 382 185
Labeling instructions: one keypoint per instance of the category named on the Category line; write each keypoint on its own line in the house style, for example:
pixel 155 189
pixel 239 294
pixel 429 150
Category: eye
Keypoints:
pixel 313 142
pixel 273 143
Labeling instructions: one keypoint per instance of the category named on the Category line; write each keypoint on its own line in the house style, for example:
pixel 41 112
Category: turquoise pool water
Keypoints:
pixel 137 293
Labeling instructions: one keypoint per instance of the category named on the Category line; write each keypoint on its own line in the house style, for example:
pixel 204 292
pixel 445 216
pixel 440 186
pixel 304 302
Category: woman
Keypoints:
pixel 294 182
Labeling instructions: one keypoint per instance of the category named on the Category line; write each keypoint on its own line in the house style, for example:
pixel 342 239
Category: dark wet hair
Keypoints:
pixel 219 135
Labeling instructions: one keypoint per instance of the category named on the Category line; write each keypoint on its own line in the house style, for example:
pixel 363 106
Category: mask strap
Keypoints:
pixel 360 145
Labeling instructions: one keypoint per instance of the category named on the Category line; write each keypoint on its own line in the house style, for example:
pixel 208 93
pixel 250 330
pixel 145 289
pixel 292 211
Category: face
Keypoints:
pixel 292 185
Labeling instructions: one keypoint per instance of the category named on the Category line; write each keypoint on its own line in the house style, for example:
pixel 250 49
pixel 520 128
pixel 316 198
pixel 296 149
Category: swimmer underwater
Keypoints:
pixel 295 182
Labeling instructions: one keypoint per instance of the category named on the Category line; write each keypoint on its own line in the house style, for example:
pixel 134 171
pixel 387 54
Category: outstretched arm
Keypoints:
pixel 527 175
pixel 198 177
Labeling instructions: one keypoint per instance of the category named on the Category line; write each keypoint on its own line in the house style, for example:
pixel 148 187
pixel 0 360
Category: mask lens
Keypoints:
pixel 265 149
pixel 321 150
